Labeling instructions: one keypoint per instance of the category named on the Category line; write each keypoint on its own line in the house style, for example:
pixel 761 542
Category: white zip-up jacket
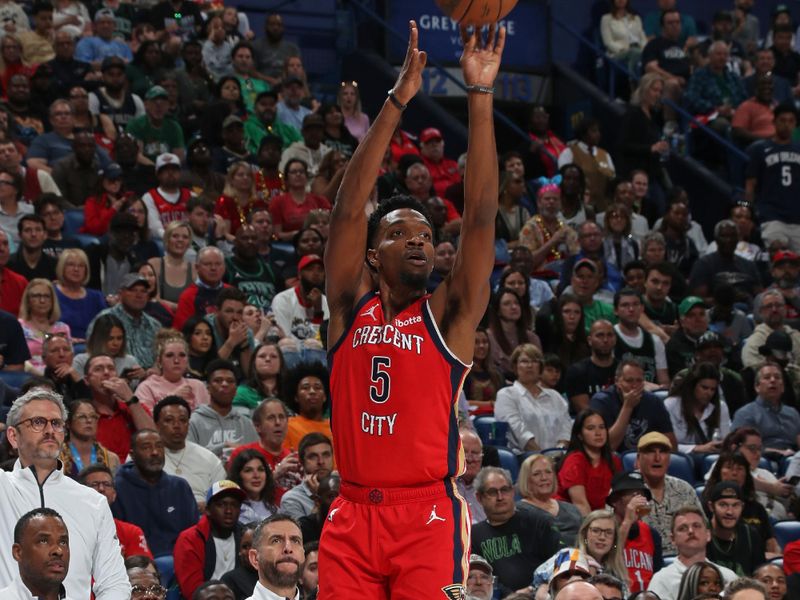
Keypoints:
pixel 94 548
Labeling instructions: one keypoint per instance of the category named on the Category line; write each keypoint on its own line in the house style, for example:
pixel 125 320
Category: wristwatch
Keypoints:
pixel 132 400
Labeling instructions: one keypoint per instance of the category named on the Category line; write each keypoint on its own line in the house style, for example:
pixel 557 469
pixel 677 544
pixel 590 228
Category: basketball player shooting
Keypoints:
pixel 399 356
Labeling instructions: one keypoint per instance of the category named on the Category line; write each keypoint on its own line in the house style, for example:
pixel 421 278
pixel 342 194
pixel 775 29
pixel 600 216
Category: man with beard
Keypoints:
pixel 29 124
pixel 316 456
pixel 734 543
pixel 277 554
pixel 77 174
pixel 268 179
pixel 233 148
pixel 166 202
pixel 198 466
pixel 266 124
pixel 36 429
pixel 161 504
pixel 199 177
pixel 595 373
pixel 280 260
pixel 41 549
pixel 113 98
pixel 247 272
pixel 301 310
pixel 272 50
pixel 210 549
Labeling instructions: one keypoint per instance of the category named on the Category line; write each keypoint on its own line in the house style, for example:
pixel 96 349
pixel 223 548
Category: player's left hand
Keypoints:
pixel 480 60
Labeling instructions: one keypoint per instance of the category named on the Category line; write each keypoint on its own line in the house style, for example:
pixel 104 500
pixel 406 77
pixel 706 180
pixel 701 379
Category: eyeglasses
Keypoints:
pixel 598 531
pixel 154 591
pixel 87 418
pixel 37 424
pixel 98 485
pixel 495 492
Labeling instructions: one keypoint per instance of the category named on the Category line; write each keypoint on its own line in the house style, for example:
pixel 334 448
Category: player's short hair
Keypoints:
pixel 389 205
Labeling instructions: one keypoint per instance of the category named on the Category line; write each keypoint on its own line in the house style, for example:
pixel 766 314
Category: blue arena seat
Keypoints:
pixel 508 460
pixel 491 431
pixel 699 489
pixel 680 465
pixel 787 531
pixel 73 220
pixel 14 378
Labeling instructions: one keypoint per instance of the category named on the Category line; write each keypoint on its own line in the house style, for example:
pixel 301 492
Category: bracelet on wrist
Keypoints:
pixel 480 89
pixel 397 104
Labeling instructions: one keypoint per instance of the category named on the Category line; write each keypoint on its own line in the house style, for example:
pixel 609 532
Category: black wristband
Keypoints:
pixel 132 400
pixel 397 104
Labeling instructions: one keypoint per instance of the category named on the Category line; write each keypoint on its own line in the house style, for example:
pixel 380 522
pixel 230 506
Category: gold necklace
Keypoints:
pixel 554 253
pixel 177 467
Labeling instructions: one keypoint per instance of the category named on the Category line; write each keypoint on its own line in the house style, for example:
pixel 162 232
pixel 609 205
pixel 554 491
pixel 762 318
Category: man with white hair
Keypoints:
pixel 36 425
pixel 473 455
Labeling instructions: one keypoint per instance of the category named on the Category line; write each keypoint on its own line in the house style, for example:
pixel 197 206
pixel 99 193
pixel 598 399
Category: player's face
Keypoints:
pixel 43 551
pixel 404 255
pixel 318 459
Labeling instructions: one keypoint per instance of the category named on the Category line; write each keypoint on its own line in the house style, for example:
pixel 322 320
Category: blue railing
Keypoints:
pixel 403 37
pixel 617 68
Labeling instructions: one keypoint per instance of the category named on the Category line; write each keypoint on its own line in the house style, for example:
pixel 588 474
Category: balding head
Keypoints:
pixel 579 590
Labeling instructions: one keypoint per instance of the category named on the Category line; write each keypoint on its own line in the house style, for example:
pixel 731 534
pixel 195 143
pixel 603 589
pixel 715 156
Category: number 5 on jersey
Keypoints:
pixel 381 383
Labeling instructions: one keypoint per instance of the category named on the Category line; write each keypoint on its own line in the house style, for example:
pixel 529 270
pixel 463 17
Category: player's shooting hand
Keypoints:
pixel 480 60
pixel 410 78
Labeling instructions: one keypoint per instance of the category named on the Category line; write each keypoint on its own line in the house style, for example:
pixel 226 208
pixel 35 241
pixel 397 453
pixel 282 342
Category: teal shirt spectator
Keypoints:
pixel 708 90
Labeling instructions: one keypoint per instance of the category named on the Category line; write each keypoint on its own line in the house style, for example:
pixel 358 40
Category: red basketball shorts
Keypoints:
pixel 395 543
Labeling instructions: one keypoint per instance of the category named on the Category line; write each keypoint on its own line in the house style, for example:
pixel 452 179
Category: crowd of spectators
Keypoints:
pixel 170 351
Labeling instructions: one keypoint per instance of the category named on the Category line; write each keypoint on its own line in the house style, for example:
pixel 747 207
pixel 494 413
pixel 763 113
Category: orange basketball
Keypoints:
pixel 476 12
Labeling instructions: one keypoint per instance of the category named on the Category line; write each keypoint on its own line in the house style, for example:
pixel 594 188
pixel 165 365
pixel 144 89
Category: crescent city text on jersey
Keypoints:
pixel 390 334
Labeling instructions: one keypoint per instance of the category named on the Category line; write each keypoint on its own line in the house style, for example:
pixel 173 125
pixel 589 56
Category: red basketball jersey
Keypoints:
pixel 394 389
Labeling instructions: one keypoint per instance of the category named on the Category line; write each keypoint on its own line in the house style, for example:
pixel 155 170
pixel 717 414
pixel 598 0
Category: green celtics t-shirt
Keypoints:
pixel 156 140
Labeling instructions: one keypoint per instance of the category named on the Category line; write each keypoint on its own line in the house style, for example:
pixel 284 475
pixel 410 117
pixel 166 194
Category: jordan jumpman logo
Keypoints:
pixel 434 516
pixel 371 312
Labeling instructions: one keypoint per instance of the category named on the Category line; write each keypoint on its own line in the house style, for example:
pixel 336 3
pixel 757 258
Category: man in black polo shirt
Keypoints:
pixel 593 374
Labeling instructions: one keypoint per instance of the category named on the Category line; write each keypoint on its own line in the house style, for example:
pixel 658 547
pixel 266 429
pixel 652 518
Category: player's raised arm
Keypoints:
pixel 347 277
pixel 465 292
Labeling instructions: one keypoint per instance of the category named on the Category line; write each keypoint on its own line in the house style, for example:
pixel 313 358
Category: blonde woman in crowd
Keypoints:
pixel 39 315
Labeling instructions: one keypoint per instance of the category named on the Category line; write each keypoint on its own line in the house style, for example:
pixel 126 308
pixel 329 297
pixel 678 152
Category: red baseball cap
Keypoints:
pixel 431 133
pixel 785 256
pixel 308 259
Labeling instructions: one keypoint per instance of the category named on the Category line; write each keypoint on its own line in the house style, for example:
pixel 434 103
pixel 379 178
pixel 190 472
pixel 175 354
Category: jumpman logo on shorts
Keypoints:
pixel 434 517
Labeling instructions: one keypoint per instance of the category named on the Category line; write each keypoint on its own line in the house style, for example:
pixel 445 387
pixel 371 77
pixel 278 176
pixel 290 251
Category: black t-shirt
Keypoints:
pixel 585 377
pixel 649 415
pixel 714 269
pixel 787 65
pixel 13 346
pixel 742 554
pixel 667 315
pixel 670 56
pixel 776 169
pixel 517 547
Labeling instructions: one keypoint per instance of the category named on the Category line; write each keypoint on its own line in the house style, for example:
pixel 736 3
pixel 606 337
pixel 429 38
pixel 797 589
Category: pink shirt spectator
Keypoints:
pixel 35 339
pixel 155 387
